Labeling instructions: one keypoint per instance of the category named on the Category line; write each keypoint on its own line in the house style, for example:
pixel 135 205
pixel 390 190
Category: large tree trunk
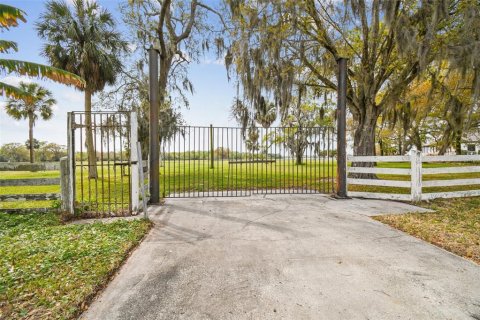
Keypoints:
pixel 30 137
pixel 364 136
pixel 299 157
pixel 364 141
pixel 458 142
pixel 91 153
pixel 380 144
pixel 400 144
pixel 165 64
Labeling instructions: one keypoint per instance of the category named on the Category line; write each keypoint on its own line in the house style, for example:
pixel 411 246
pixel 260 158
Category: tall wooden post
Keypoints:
pixel 154 150
pixel 341 129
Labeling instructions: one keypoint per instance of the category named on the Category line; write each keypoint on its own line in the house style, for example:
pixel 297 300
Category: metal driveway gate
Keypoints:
pixel 105 182
pixel 232 162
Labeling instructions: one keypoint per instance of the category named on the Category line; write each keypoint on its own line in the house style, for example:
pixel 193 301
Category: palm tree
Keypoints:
pixel 82 39
pixel 39 103
pixel 10 17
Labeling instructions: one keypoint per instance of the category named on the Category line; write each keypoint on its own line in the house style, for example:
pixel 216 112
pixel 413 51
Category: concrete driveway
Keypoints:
pixel 287 257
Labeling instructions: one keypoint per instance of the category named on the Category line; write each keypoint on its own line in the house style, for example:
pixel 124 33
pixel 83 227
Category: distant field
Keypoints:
pixel 198 177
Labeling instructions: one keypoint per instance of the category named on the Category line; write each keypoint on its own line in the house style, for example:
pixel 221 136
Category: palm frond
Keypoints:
pixel 12 92
pixel 9 16
pixel 42 71
pixel 6 46
pixel 82 39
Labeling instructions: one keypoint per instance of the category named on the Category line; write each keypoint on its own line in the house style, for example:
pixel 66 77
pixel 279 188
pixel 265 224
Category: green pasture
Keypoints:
pixel 195 178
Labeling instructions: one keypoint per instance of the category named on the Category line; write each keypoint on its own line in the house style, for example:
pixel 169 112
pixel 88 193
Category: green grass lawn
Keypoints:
pixel 426 177
pixel 50 270
pixel 455 225
pixel 180 177
pixel 197 176
pixel 95 194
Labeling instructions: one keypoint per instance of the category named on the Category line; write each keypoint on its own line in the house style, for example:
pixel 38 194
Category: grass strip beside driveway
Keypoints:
pixel 50 270
pixel 454 226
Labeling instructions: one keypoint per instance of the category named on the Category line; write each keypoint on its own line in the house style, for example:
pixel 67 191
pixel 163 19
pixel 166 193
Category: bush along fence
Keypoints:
pixel 415 172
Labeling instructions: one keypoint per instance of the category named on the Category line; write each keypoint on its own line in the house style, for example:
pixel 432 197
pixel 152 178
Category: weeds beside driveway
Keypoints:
pixel 454 226
pixel 50 270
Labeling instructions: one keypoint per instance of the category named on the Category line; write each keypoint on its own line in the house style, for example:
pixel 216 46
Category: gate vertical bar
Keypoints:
pixel 154 138
pixel 212 152
pixel 341 129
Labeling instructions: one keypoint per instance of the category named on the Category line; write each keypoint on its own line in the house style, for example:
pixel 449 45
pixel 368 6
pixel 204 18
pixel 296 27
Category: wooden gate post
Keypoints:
pixel 341 191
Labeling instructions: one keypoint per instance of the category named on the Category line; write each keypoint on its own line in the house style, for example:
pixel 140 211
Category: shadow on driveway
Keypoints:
pixel 287 257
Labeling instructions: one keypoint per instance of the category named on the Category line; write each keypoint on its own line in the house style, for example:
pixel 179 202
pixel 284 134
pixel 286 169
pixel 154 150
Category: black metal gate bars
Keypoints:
pixel 102 182
pixel 194 162
pixel 226 161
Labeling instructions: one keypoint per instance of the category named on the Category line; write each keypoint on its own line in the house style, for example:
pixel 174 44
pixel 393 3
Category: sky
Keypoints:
pixel 208 105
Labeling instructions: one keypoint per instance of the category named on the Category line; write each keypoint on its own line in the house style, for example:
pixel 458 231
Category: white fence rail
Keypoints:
pixel 415 172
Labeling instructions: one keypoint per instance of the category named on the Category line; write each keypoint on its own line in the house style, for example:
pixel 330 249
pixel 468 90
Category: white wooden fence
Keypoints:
pixel 416 171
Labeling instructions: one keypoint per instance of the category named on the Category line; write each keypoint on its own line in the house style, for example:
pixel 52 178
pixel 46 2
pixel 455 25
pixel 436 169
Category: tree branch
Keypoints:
pixel 161 22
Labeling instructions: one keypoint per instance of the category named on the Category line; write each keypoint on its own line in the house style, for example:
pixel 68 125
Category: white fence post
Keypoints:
pixel 65 186
pixel 142 181
pixel 416 175
pixel 70 206
pixel 134 161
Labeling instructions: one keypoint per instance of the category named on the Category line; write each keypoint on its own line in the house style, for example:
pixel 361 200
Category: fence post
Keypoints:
pixel 142 180
pixel 154 126
pixel 212 152
pixel 416 175
pixel 65 186
pixel 70 206
pixel 341 191
pixel 134 161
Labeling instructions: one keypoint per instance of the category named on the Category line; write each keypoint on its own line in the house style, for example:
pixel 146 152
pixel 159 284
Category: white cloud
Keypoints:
pixel 15 80
pixel 72 96
pixel 132 47
pixel 218 61
pixel 185 56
